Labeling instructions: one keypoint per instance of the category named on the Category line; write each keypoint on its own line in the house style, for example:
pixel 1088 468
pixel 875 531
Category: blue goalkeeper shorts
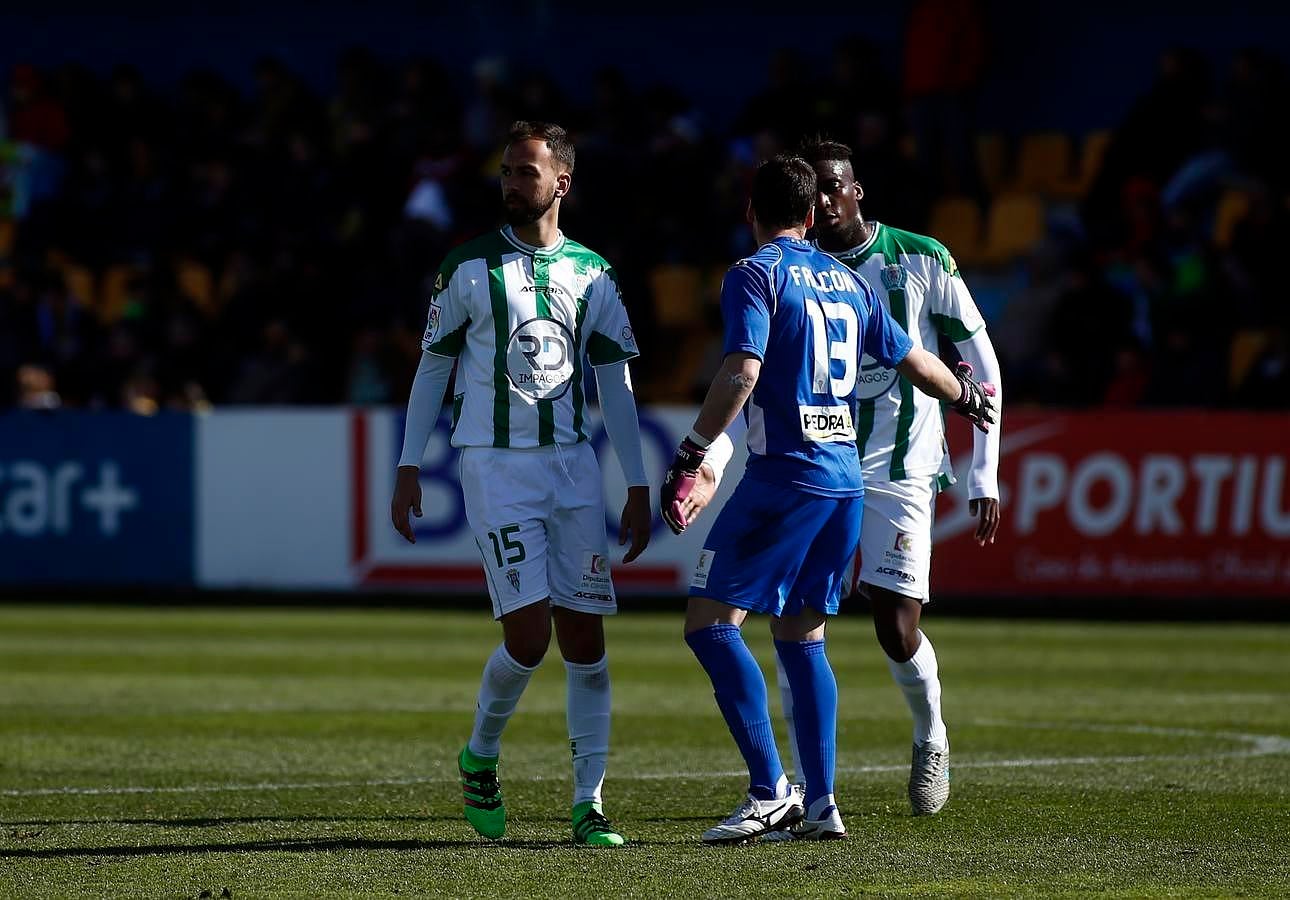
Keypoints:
pixel 774 549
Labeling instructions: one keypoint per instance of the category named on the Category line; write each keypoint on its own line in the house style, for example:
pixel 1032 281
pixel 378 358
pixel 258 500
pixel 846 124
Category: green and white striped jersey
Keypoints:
pixel 522 320
pixel 900 430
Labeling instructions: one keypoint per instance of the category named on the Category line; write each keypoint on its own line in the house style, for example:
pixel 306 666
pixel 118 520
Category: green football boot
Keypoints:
pixel 590 827
pixel 482 794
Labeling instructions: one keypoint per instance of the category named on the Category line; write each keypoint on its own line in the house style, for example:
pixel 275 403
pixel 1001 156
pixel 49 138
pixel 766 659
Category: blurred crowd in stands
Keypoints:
pixel 189 245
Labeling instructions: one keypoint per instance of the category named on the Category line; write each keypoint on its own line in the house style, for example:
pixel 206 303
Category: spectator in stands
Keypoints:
pixel 163 248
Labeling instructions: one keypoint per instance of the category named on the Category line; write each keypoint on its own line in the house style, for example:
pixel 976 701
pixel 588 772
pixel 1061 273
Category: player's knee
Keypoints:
pixel 581 635
pixel 528 646
pixel 898 645
pixel 895 623
pixel 528 650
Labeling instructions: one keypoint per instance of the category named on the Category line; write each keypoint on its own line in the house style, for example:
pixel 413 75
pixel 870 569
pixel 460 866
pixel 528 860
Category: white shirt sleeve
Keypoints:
pixel 983 478
pixel 610 339
pixel 448 316
pixel 424 404
pixel 618 406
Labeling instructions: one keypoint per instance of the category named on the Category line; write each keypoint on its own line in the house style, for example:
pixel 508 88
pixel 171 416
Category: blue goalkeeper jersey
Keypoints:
pixel 809 319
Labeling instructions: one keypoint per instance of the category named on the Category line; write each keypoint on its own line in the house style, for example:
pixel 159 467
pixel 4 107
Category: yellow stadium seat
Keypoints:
pixel 114 292
pixel 1233 207
pixel 992 161
pixel 79 282
pixel 1043 162
pixel 1016 224
pixel 1092 152
pixel 956 223
pixel 1091 155
pixel 197 283
pixel 1247 345
pixel 677 295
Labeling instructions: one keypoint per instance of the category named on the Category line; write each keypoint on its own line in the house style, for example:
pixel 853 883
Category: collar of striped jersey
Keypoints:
pixel 856 251
pixel 509 234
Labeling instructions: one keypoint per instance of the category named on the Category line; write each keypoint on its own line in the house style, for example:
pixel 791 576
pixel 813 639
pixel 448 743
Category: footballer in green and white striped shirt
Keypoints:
pixel 521 312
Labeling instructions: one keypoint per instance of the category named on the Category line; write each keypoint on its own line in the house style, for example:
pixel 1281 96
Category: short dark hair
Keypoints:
pixel 819 150
pixel 783 191
pixel 557 139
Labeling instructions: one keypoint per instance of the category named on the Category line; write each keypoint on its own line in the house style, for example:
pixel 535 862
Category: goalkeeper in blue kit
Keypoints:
pixel 797 322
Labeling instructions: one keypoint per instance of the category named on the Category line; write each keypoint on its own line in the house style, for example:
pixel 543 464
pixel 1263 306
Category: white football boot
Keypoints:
pixel 752 818
pixel 929 779
pixel 829 828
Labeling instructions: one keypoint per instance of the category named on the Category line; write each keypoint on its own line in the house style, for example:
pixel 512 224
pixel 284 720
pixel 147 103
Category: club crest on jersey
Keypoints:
pixel 539 359
pixel 513 576
pixel 894 277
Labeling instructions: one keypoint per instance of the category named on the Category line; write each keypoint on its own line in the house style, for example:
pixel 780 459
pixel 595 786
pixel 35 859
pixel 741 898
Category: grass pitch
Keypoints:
pixel 262 753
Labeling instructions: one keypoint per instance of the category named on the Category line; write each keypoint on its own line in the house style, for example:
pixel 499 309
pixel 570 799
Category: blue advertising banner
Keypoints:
pixel 96 498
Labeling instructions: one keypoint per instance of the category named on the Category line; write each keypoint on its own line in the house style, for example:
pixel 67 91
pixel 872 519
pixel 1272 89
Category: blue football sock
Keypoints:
pixel 815 715
pixel 740 690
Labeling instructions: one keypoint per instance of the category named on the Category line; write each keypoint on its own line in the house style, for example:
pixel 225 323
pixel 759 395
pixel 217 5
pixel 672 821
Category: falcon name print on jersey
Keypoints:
pixel 523 320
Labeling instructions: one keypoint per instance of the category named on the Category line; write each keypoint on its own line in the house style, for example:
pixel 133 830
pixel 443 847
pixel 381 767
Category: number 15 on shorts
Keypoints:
pixel 506 550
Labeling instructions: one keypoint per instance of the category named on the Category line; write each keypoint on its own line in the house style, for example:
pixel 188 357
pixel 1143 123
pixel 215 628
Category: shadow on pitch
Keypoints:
pixel 304 845
pixel 206 822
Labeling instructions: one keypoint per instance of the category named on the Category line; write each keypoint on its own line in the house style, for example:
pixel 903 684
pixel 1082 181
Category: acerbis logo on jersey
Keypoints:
pixel 873 380
pixel 827 424
pixel 896 573
pixel 539 359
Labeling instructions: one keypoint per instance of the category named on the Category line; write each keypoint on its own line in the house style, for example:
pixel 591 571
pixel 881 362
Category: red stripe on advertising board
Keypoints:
pixel 662 577
pixel 358 487
pixel 1151 504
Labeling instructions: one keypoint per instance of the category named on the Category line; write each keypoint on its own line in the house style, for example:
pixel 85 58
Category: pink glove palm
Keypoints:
pixel 678 483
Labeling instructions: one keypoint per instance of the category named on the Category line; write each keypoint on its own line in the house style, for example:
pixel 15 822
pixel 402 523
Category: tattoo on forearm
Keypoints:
pixel 742 382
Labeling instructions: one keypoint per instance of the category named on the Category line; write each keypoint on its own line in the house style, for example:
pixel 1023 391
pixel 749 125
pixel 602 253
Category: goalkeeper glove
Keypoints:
pixel 974 402
pixel 678 483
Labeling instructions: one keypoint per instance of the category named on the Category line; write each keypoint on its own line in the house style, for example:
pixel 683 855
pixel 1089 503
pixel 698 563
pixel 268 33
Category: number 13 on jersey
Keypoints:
pixel 831 423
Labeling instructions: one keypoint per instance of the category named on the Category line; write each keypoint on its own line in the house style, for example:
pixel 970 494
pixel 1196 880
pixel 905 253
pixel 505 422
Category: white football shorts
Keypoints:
pixel 538 516
pixel 896 536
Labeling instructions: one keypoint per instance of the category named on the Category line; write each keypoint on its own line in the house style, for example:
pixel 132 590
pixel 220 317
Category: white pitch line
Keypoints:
pixel 1257 745
pixel 1040 762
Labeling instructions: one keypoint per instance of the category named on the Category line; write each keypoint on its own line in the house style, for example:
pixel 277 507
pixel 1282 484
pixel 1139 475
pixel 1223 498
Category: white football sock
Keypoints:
pixel 918 680
pixel 499 691
pixel 588 716
pixel 786 701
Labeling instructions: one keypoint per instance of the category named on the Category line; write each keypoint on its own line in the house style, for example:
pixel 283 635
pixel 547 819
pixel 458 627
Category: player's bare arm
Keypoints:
pixel 727 395
pixel 966 397
pixel 729 391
